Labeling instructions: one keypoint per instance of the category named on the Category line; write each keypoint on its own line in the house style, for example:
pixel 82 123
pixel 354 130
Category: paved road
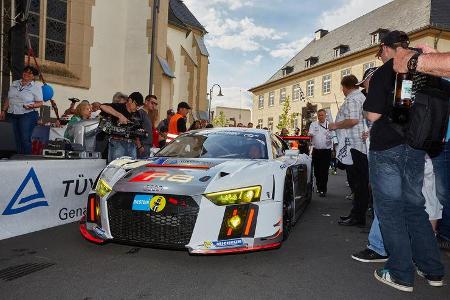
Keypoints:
pixel 314 263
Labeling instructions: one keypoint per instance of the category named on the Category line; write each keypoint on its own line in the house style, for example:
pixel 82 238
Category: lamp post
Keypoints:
pixel 210 99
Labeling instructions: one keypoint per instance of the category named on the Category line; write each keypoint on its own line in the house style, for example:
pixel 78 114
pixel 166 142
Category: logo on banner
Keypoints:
pixel 24 199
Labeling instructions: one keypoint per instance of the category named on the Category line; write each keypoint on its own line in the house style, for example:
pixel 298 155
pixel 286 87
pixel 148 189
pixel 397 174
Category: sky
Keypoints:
pixel 249 40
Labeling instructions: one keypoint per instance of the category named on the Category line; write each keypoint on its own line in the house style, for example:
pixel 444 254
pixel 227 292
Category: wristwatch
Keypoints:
pixel 412 63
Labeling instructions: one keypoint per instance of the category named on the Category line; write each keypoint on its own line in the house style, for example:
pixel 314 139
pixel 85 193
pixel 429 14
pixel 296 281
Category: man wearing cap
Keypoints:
pixel 122 113
pixel 396 176
pixel 177 123
pixel 163 126
pixel 350 127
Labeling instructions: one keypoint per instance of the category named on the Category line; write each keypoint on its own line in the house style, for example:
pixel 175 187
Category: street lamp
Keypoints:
pixel 210 98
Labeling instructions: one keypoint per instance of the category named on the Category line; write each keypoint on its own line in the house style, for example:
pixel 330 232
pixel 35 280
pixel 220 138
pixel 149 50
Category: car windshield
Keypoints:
pixel 217 144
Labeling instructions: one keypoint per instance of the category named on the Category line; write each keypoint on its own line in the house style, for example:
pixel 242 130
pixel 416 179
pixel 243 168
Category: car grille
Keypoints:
pixel 170 228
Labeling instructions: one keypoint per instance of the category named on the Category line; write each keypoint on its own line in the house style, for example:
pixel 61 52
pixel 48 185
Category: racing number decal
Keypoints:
pixel 162 176
pixel 157 203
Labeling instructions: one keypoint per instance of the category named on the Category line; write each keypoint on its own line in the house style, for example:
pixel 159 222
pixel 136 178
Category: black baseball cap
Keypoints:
pixel 30 68
pixel 395 37
pixel 137 97
pixel 183 105
pixel 369 72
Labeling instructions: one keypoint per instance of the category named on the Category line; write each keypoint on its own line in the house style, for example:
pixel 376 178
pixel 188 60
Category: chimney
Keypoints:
pixel 320 34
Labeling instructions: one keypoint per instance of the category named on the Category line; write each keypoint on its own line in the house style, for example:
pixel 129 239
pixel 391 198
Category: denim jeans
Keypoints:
pixel 23 126
pixel 119 148
pixel 397 178
pixel 441 166
pixel 375 238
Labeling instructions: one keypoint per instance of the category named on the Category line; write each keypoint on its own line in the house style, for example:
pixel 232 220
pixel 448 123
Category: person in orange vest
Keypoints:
pixel 177 123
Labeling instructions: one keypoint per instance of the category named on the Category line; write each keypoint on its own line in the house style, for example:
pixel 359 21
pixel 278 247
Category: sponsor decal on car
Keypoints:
pixel 99 232
pixel 154 203
pixel 234 243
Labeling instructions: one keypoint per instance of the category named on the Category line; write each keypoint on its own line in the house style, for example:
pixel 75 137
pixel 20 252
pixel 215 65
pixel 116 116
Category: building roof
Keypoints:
pixel 405 15
pixel 180 15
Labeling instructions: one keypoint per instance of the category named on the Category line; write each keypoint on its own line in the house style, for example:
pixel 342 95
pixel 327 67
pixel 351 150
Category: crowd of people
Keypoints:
pixel 409 188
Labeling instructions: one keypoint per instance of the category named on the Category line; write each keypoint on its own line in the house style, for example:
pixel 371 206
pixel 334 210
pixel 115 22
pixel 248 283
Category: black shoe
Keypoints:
pixel 368 255
pixel 433 280
pixel 343 218
pixel 352 222
pixel 322 194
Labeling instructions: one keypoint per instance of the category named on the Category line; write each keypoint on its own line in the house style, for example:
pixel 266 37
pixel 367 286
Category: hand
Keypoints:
pixel 426 49
pixel 401 59
pixel 332 126
pixel 58 124
pixel 29 106
pixel 365 135
pixel 122 119
pixel 141 149
pixel 2 115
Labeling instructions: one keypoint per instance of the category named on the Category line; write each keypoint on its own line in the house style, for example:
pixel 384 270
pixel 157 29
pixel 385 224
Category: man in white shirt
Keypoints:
pixel 321 153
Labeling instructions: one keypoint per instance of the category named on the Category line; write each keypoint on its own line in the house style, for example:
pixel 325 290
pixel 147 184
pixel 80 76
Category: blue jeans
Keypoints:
pixel 375 238
pixel 23 126
pixel 397 178
pixel 119 148
pixel 441 167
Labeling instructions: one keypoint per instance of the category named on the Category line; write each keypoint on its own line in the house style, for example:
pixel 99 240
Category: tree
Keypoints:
pixel 285 117
pixel 220 120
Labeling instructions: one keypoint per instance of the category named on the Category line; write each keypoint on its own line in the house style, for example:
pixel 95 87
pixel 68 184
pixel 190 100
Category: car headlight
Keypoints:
pixel 102 188
pixel 236 196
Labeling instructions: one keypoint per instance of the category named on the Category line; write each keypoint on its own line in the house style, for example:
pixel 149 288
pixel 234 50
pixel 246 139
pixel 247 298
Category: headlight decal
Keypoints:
pixel 239 221
pixel 236 196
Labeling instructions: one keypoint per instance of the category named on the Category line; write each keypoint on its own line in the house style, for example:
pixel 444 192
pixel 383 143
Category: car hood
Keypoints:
pixel 181 176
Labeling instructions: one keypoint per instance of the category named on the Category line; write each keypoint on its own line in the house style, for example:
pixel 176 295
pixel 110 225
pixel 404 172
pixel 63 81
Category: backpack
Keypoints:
pixel 428 117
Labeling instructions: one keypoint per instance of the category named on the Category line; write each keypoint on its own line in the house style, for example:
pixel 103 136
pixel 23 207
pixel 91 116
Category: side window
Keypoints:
pixel 277 146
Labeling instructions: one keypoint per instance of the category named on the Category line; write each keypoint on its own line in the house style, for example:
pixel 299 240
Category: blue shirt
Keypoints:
pixel 20 95
pixel 448 128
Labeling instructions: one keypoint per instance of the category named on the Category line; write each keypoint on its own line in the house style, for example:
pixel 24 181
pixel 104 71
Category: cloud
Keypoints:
pixel 233 97
pixel 255 61
pixel 288 50
pixel 350 10
pixel 231 33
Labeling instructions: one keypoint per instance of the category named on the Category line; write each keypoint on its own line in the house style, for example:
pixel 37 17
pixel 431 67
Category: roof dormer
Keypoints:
pixel 320 34
pixel 340 50
pixel 287 70
pixel 311 61
pixel 377 35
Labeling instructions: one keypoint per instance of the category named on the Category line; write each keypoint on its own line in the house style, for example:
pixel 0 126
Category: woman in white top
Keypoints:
pixel 24 97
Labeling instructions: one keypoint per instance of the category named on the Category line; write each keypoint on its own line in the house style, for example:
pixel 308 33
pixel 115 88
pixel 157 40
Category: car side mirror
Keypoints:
pixel 153 151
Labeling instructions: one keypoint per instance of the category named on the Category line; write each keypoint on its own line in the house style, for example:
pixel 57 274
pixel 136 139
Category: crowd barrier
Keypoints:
pixel 39 194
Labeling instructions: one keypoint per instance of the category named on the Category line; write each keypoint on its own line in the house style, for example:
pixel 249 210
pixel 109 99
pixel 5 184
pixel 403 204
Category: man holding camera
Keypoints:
pixel 122 113
pixel 396 176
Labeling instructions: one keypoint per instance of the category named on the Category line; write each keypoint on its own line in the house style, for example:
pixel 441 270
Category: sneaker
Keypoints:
pixel 368 255
pixel 385 277
pixel 443 243
pixel 322 194
pixel 433 280
pixel 349 196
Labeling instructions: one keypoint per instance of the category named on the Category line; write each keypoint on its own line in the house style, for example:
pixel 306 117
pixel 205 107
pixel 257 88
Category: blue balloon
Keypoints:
pixel 47 92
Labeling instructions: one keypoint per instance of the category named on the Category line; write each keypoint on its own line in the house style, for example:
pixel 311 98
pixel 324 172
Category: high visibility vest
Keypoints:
pixel 172 133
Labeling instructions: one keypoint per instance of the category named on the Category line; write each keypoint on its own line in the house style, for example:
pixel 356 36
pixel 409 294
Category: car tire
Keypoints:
pixel 288 205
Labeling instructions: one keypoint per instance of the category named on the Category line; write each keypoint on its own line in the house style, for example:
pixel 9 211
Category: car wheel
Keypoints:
pixel 288 205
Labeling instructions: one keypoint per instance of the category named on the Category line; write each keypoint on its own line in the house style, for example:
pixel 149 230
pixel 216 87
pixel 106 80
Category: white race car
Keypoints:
pixel 211 191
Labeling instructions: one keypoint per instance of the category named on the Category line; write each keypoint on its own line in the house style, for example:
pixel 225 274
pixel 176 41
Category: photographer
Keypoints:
pixel 396 176
pixel 121 114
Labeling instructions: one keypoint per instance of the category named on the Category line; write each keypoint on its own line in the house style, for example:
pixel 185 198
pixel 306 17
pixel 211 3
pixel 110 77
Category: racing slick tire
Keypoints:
pixel 288 205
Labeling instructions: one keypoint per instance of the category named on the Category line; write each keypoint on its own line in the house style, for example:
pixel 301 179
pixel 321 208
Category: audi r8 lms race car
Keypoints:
pixel 211 191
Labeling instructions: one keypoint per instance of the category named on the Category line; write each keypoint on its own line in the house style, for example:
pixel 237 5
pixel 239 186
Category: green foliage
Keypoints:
pixel 285 117
pixel 220 120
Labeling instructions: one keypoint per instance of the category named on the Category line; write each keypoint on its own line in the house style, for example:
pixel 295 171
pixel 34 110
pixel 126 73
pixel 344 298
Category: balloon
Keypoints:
pixel 47 92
